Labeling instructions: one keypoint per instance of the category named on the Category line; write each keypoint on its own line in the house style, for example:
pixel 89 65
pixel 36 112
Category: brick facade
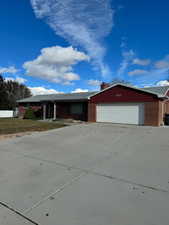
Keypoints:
pixel 91 112
pixel 153 107
pixel 22 110
pixel 62 110
pixel 153 113
pixel 166 107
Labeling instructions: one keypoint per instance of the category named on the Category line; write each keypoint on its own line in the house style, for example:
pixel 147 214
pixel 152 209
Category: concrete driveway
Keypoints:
pixel 93 174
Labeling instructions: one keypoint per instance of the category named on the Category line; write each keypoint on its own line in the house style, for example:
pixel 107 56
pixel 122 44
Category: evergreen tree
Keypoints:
pixel 10 92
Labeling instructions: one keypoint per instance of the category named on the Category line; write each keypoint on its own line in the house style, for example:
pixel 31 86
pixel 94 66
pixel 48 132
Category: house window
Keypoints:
pixel 76 108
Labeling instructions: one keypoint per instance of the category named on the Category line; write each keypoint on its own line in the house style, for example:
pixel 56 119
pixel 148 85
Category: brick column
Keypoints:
pixel 91 112
pixel 153 113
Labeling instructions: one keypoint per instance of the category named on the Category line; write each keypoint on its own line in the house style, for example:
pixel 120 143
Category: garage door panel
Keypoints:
pixel 121 113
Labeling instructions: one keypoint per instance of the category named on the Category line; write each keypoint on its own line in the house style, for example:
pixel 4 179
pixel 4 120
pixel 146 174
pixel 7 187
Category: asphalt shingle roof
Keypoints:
pixel 160 91
pixel 58 97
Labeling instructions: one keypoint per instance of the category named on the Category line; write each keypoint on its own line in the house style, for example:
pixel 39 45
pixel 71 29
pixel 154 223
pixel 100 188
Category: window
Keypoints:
pixel 76 108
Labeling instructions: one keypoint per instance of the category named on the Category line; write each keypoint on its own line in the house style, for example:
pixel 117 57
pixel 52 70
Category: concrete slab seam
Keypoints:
pixel 153 188
pixel 60 189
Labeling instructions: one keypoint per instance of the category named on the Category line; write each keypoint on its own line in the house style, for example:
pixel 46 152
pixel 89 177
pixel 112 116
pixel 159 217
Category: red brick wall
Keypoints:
pixel 166 107
pixel 161 113
pixel 153 113
pixel 63 111
pixel 91 112
pixel 22 110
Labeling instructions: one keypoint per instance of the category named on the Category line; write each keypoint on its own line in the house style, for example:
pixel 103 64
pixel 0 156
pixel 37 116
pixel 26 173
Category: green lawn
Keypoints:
pixel 11 126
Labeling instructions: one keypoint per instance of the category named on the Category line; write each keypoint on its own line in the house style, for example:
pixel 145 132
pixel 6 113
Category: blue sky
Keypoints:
pixel 61 46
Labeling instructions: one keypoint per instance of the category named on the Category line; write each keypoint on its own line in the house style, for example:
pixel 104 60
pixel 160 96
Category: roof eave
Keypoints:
pixel 64 100
pixel 114 85
pixel 163 97
pixel 55 100
pixel 29 102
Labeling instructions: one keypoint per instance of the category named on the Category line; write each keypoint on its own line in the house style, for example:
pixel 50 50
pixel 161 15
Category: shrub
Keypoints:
pixel 38 114
pixel 30 114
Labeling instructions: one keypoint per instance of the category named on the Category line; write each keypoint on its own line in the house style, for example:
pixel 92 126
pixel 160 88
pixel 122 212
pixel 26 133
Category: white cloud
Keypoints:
pixel 42 91
pixel 10 69
pixel 77 90
pixel 55 64
pixel 94 82
pixel 20 80
pixel 141 62
pixel 9 79
pixel 127 58
pixel 160 70
pixel 157 71
pixel 138 72
pixel 163 64
pixel 163 83
pixel 84 23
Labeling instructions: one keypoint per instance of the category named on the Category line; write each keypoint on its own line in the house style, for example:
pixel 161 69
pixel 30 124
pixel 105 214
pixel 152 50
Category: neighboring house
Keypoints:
pixel 114 103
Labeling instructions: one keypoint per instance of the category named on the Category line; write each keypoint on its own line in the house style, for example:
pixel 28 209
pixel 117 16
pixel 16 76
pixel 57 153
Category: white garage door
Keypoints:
pixel 128 113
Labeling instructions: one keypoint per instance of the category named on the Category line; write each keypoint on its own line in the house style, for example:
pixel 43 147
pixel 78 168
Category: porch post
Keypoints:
pixel 54 111
pixel 44 111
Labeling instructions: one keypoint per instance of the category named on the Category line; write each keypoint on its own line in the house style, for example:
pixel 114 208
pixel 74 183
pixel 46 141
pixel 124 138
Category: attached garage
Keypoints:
pixel 126 113
pixel 125 104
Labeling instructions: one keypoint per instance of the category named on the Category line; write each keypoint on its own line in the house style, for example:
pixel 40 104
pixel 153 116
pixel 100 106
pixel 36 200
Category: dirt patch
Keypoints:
pixel 6 136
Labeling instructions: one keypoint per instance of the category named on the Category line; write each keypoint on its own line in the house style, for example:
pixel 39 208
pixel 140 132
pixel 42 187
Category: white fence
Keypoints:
pixel 6 114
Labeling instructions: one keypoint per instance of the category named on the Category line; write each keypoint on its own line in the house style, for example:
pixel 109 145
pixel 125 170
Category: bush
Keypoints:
pixel 38 114
pixel 30 114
